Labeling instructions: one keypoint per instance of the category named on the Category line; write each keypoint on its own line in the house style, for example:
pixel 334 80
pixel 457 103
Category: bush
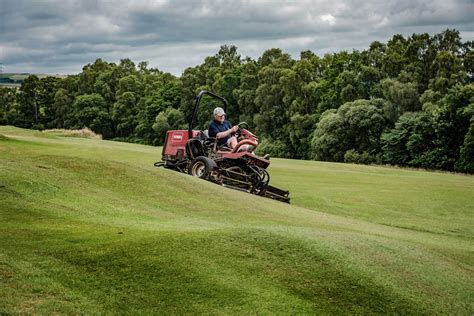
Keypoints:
pixel 352 156
pixel 275 148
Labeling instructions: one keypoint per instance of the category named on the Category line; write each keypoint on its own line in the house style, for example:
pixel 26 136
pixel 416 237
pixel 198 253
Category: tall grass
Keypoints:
pixel 84 133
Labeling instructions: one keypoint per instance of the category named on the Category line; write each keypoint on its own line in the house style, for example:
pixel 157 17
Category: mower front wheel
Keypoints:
pixel 201 167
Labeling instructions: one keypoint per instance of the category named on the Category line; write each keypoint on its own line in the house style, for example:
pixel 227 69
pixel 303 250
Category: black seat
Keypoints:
pixel 195 148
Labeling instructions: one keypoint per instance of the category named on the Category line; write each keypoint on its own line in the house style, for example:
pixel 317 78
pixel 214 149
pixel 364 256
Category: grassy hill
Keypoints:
pixel 90 226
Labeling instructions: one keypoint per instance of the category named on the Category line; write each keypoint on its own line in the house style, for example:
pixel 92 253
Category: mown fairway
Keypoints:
pixel 90 226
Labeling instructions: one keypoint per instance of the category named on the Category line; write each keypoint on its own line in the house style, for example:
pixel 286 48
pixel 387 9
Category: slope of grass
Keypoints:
pixel 436 202
pixel 90 226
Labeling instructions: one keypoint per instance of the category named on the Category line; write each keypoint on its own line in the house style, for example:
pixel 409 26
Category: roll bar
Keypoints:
pixel 198 100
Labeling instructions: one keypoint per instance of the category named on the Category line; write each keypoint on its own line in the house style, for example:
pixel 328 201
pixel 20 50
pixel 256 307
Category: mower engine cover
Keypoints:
pixel 175 144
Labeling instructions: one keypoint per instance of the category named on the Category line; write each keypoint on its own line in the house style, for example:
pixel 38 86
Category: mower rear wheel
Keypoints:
pixel 201 167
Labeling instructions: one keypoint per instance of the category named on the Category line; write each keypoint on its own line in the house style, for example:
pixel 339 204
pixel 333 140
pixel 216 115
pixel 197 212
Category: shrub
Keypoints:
pixel 352 156
pixel 275 148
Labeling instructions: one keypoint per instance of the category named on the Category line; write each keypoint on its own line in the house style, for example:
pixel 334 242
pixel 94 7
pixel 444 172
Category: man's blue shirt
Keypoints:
pixel 216 127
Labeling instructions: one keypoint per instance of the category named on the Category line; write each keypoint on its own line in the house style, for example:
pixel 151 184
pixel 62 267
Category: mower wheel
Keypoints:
pixel 201 167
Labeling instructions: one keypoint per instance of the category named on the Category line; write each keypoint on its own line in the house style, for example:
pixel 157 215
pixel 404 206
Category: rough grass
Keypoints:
pixel 89 226
pixel 84 133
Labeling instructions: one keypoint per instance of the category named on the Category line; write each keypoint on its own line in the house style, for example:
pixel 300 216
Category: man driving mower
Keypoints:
pixel 196 152
pixel 224 132
pixel 221 129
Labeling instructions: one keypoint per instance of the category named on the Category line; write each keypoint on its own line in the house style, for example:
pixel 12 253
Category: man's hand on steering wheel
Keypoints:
pixel 239 127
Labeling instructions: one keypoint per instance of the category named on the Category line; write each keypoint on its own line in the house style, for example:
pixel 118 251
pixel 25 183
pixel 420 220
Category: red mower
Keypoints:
pixel 195 153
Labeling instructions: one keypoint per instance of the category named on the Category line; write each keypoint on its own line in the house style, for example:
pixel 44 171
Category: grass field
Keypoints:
pixel 90 226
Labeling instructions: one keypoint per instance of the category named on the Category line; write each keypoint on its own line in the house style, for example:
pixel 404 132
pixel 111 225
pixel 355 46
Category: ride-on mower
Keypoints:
pixel 199 155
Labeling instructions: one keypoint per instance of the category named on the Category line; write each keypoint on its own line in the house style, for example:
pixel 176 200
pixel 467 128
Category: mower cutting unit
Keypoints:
pixel 199 155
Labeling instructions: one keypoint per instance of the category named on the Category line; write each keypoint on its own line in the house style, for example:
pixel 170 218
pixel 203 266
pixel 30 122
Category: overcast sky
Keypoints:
pixel 62 36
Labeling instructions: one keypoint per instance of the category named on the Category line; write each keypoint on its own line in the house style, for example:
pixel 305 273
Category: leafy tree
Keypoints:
pixel 269 94
pixel 9 111
pixel 329 140
pixel 452 122
pixel 61 107
pixel 170 119
pixel 125 110
pixel 299 131
pixel 169 95
pixel 394 57
pixel 28 103
pixel 365 123
pixel 124 113
pixel 88 77
pixel 45 100
pixel 354 126
pixel 245 93
pixel 466 157
pixel 401 97
pixel 411 142
pixel 89 110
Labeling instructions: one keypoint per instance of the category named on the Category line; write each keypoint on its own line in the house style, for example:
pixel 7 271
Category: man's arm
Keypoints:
pixel 227 132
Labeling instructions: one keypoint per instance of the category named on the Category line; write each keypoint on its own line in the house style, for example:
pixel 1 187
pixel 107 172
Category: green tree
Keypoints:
pixel 394 57
pixel 168 95
pixel 355 126
pixel 45 100
pixel 300 130
pixel 125 110
pixel 9 111
pixel 401 97
pixel 170 119
pixel 269 95
pixel 61 107
pixel 412 142
pixel 465 162
pixel 28 104
pixel 452 122
pixel 124 114
pixel 329 140
pixel 365 123
pixel 245 93
pixel 88 77
pixel 89 110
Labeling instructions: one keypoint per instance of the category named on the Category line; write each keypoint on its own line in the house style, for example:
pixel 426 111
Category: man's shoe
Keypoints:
pixel 267 157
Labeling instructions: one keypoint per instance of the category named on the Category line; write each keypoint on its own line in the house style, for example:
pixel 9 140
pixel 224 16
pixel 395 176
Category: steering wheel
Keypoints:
pixel 241 125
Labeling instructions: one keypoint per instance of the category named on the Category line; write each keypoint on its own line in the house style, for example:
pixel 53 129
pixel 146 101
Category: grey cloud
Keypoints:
pixel 62 36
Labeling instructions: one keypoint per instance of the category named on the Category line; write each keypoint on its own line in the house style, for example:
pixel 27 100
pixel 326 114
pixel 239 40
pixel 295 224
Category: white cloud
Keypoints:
pixel 328 18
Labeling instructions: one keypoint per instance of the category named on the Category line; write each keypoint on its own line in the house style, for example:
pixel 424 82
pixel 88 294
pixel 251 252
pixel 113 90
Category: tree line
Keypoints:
pixel 407 102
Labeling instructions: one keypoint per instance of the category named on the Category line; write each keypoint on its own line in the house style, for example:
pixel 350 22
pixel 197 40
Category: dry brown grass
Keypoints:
pixel 84 133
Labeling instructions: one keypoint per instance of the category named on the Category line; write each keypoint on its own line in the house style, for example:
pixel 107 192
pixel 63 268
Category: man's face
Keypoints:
pixel 220 118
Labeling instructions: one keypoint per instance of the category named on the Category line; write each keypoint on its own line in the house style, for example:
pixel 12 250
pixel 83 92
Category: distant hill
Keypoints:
pixel 15 79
